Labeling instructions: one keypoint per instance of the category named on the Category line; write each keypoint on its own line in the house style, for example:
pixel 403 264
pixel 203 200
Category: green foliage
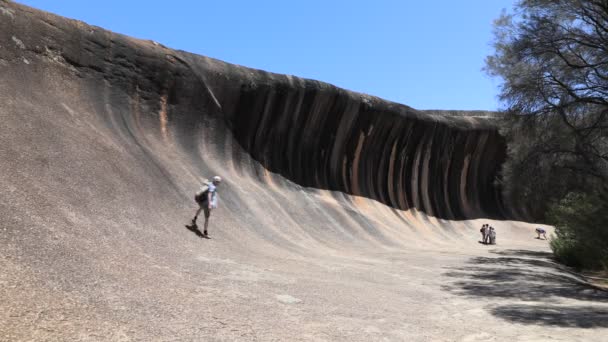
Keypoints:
pixel 552 58
pixel 581 222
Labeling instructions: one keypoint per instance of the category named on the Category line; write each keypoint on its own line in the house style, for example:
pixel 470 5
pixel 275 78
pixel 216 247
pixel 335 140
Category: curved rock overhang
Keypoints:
pixel 311 132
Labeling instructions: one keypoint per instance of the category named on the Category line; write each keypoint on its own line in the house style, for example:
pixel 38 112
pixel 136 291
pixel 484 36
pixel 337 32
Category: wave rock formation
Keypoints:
pixel 341 216
pixel 310 132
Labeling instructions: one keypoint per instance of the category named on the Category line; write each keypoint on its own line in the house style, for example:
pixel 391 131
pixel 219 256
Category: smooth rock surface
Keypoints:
pixel 364 210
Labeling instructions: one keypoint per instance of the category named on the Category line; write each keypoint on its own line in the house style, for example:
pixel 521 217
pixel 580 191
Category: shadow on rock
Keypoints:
pixel 568 316
pixel 534 277
pixel 195 230
pixel 525 253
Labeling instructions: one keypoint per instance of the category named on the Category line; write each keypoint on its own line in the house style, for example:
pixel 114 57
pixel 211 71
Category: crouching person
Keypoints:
pixel 540 231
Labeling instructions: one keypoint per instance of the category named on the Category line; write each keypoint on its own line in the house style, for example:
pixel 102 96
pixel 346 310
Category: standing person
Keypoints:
pixel 488 231
pixel 207 199
pixel 540 231
pixel 484 231
pixel 492 236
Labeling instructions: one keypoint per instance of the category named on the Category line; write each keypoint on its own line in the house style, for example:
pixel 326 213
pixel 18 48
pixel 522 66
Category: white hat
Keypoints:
pixel 217 179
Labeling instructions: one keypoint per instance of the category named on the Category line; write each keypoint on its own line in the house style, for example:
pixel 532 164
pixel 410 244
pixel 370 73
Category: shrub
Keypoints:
pixel 581 222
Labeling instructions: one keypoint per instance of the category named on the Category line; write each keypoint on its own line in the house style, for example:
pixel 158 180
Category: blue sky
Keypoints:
pixel 425 54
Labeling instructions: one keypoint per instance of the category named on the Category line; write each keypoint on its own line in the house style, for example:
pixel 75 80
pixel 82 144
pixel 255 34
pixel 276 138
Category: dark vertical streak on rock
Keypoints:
pixel 320 136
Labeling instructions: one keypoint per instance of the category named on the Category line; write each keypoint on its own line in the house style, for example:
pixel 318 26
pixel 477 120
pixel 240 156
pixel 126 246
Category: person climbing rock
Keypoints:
pixel 207 200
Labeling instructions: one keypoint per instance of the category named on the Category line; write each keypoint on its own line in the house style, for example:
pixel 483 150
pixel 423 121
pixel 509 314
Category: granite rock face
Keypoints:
pixel 325 137
pixel 104 140
pixel 313 133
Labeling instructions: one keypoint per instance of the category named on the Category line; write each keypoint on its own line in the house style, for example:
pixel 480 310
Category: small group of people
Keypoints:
pixel 488 234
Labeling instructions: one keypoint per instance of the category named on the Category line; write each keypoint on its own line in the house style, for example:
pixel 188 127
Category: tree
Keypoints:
pixel 552 56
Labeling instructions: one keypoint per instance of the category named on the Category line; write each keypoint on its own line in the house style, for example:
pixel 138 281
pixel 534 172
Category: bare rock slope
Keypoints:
pixel 342 216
